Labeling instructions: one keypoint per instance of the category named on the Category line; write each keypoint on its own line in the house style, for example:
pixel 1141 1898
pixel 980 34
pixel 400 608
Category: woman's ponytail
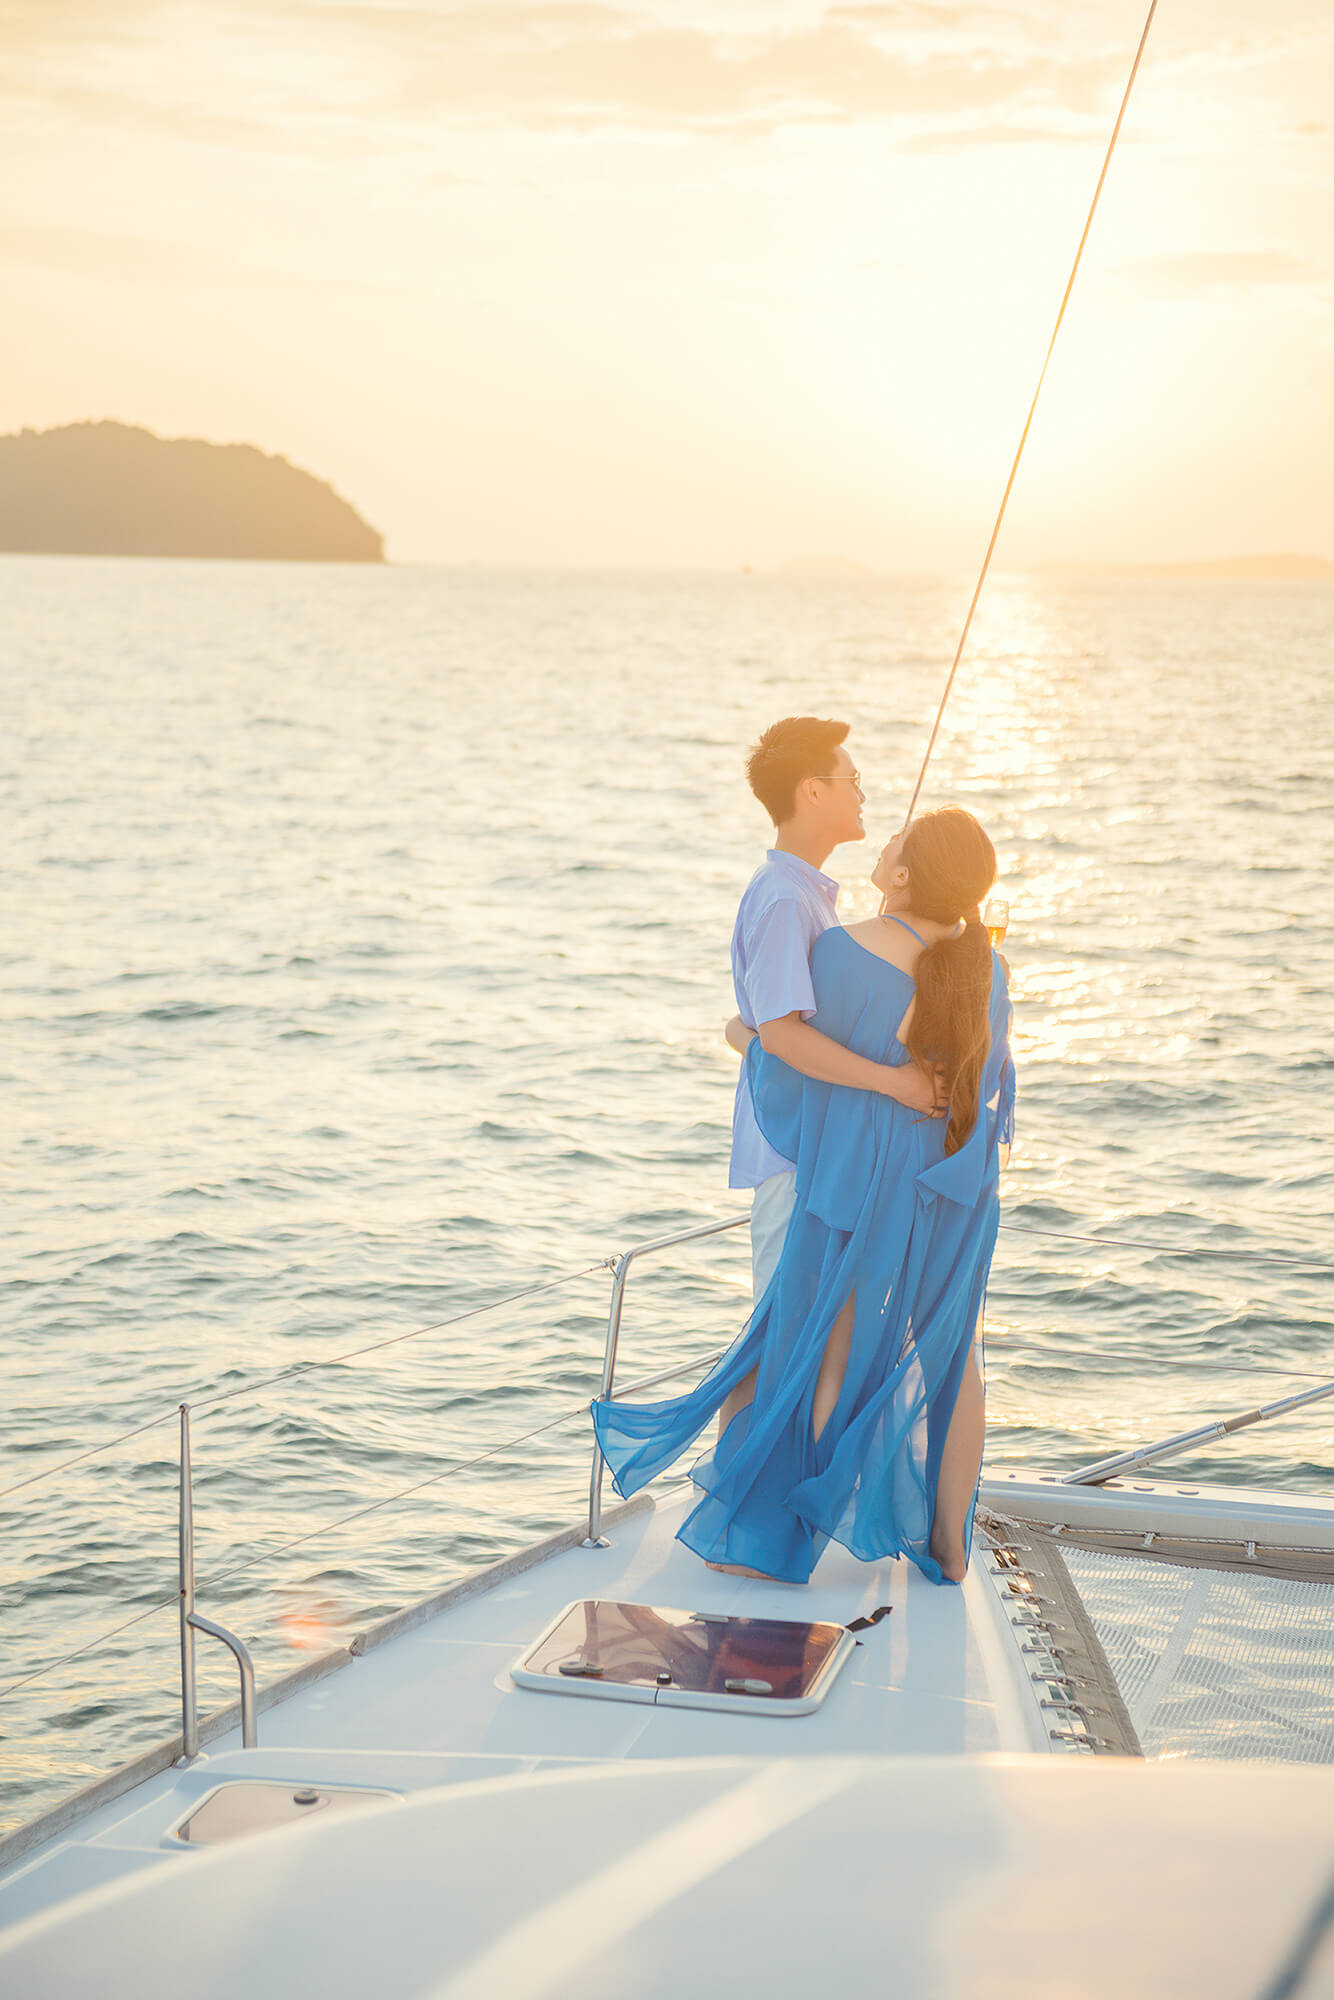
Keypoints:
pixel 951 1021
pixel 952 865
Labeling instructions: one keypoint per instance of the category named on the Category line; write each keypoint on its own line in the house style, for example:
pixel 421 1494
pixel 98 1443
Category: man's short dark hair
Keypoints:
pixel 800 746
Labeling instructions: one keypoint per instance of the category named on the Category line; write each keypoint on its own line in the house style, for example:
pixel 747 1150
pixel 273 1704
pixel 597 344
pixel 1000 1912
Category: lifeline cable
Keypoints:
pixel 1005 498
pixel 321 1527
pixel 302 1368
pixel 1203 1253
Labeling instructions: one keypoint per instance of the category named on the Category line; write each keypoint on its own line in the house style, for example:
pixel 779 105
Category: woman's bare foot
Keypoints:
pixel 948 1551
pixel 739 1569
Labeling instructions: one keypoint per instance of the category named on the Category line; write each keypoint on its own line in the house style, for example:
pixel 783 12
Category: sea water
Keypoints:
pixel 366 960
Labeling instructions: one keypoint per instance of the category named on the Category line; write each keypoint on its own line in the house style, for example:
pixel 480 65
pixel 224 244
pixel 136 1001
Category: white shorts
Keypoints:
pixel 770 1214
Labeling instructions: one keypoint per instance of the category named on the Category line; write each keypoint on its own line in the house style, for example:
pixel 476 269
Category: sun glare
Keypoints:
pixel 309 1630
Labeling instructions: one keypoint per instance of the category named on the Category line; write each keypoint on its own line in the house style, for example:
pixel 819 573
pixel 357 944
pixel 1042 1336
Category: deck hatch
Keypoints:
pixel 241 1806
pixel 616 1651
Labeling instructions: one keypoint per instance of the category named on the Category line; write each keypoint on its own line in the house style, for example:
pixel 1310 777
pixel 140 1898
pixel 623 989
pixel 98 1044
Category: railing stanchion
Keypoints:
pixel 189 1700
pixel 620 1265
pixel 191 1622
pixel 249 1733
pixel 595 1539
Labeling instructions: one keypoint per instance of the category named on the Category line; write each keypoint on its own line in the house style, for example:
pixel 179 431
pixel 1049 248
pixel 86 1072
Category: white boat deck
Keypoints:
pixel 559 1844
pixel 434 1705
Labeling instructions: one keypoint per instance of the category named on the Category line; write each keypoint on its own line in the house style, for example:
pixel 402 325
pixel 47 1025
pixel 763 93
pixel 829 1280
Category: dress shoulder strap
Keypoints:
pixel 888 917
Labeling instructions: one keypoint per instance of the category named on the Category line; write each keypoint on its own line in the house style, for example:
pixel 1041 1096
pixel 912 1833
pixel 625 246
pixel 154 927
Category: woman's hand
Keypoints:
pixel 739 1036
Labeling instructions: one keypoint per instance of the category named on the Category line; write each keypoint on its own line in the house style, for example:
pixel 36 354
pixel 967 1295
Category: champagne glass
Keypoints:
pixel 996 918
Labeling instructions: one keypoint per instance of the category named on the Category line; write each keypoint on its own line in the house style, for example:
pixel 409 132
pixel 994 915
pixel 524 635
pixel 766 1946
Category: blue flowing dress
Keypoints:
pixel 881 1211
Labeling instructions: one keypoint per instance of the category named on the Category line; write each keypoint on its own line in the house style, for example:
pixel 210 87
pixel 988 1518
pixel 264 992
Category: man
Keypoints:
pixel 801 772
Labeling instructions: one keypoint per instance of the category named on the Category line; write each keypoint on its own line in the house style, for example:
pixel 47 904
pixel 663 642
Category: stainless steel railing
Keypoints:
pixel 183 1597
pixel 192 1621
pixel 620 1265
pixel 1171 1447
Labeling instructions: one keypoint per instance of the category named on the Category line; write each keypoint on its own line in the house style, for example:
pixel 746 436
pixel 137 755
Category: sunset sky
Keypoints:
pixel 693 284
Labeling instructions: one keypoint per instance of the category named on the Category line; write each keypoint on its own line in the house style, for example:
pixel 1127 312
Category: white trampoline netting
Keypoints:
pixel 1213 1662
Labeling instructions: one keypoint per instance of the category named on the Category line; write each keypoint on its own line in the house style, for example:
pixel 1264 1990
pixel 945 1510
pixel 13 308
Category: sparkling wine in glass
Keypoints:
pixel 996 917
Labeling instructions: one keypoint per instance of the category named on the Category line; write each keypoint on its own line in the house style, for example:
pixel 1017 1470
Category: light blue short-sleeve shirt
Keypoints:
pixel 786 906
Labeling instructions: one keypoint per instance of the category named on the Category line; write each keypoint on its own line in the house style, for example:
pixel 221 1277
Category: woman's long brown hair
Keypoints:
pixel 951 866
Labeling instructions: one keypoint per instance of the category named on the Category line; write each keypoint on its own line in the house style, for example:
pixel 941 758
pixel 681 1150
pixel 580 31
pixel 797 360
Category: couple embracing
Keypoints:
pixel 875 1103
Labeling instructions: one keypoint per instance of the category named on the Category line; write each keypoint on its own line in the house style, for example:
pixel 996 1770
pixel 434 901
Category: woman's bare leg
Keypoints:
pixel 960 1464
pixel 743 1393
pixel 833 1366
pixel 737 1399
pixel 828 1383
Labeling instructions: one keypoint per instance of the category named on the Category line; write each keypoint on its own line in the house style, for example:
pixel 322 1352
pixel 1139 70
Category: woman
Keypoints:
pixel 862 1360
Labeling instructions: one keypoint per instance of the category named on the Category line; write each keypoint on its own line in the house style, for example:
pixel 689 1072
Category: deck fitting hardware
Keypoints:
pixel 747 1687
pixel 582 1669
pixel 1025 1592
pixel 1030 1622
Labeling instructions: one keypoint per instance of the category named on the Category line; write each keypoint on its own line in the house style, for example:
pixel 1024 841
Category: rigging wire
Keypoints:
pixel 394 1340
pixel 49 1471
pixel 388 1499
pixel 1005 497
pixel 466 1465
pixel 1175 1249
pixel 1311 1265
pixel 999 1347
pixel 322 1527
pixel 437 1478
pixel 39 1673
pixel 331 1361
pixel 299 1368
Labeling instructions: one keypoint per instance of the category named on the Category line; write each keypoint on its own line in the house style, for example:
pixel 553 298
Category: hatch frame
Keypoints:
pixel 749 1699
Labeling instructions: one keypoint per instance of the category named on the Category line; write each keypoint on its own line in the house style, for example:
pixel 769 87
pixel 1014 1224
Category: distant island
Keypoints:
pixel 108 489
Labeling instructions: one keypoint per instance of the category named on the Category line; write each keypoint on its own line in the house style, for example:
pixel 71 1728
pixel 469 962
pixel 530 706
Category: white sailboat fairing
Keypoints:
pixel 937 1877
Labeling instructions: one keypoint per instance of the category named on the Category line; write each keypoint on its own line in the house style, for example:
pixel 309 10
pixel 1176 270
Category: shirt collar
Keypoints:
pixel 802 870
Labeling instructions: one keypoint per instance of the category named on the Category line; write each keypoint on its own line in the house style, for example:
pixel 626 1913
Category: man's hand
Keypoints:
pixel 805 1049
pixel 738 1036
